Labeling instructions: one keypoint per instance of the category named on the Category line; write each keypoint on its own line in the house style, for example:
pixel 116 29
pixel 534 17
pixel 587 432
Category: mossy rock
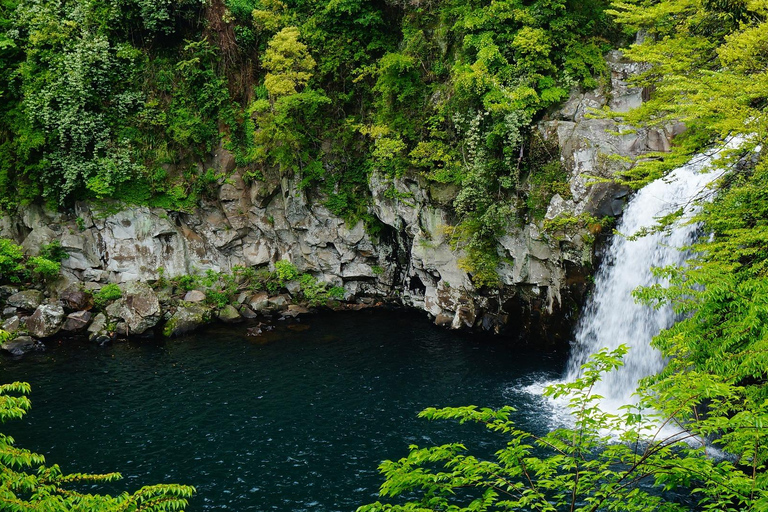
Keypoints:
pixel 187 318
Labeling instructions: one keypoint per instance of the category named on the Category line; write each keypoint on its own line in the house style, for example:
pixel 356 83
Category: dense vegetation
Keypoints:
pixel 16 267
pixel 100 93
pixel 708 66
pixel 127 99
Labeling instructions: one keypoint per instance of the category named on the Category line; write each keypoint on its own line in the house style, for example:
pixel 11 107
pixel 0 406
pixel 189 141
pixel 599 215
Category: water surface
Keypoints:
pixel 296 420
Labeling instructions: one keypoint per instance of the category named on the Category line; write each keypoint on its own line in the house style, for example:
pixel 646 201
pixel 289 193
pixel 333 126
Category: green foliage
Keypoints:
pixel 15 267
pixel 221 288
pixel 546 176
pixel 704 67
pixel 706 71
pixel 705 64
pixel 126 99
pixel 53 251
pixel 106 294
pixel 288 64
pixel 11 257
pixel 317 293
pixel 564 225
pixel 43 268
pixel 95 103
pixel 286 271
pixel 722 290
pixel 29 484
pixel 625 461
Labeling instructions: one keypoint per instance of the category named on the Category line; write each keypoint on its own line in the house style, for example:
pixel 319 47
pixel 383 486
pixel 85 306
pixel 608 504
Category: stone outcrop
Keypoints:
pixel 409 262
pixel 587 142
pixel 229 315
pixel 45 321
pixel 187 318
pixel 75 299
pixel 21 345
pixel 11 324
pixel 139 308
pixel 27 300
pixel 77 321
pixel 98 331
pixel 194 296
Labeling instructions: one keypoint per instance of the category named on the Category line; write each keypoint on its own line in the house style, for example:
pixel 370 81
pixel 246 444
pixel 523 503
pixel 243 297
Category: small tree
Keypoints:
pixel 288 63
pixel 26 483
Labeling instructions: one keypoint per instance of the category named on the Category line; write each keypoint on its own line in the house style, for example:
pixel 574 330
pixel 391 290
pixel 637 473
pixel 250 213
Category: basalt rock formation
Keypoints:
pixel 409 261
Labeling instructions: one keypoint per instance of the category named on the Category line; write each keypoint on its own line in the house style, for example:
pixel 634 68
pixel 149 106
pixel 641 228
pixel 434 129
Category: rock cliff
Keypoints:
pixel 409 261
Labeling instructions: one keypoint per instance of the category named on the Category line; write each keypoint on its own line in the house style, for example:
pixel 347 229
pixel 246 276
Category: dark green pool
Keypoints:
pixel 296 420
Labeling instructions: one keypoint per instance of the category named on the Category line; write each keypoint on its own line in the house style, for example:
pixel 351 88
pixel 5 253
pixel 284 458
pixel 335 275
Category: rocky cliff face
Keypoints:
pixel 409 262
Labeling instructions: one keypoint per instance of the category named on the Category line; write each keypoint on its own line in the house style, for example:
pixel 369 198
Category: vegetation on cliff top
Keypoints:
pixel 127 99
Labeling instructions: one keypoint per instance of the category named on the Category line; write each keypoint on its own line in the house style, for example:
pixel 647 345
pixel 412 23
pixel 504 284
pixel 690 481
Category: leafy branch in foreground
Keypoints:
pixel 604 461
pixel 47 488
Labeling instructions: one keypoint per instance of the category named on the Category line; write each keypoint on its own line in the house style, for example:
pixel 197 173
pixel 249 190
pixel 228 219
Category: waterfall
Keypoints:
pixel 611 316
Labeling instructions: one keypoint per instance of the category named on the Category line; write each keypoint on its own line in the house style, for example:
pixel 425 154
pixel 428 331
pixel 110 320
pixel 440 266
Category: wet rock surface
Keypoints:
pixel 77 321
pixel 187 318
pixel 22 345
pixel 139 308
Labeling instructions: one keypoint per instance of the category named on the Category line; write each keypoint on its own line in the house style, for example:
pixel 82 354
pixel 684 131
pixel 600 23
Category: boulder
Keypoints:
pixel 27 299
pixel 465 316
pixel 45 321
pixel 139 308
pixel 293 287
pixel 6 291
pixel 97 331
pixel 194 296
pixel 280 301
pixel 295 310
pixel 248 313
pixel 12 324
pixel 259 301
pixel 187 318
pixel 76 321
pixel 443 320
pixel 76 300
pixel 228 314
pixel 21 345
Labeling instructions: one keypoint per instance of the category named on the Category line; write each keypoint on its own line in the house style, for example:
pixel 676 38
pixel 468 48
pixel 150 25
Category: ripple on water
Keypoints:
pixel 298 420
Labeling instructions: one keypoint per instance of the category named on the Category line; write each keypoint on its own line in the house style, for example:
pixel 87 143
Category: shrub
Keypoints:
pixel 11 256
pixel 43 268
pixel 286 272
pixel 14 267
pixel 337 292
pixel 54 251
pixel 106 295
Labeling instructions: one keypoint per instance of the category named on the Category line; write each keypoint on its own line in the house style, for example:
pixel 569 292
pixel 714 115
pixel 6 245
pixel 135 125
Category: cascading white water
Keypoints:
pixel 612 317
